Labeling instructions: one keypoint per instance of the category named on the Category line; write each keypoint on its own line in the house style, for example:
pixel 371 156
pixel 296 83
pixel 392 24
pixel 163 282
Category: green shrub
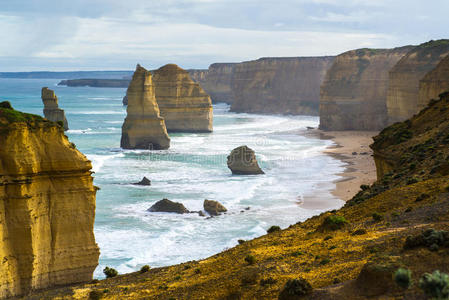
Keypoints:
pixel 6 104
pixel 295 287
pixel 431 238
pixel 325 261
pixel 273 229
pixel 334 222
pixel 377 217
pixel 110 272
pixel 403 278
pixel 197 271
pixel 144 269
pixel 60 123
pixel 241 242
pixel 364 187
pixel 250 259
pixel 435 285
pixel 95 295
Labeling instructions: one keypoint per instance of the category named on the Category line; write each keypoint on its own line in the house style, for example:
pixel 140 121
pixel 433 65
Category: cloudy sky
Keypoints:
pixel 116 34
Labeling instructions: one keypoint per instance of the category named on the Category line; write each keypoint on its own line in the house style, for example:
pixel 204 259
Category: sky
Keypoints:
pixel 63 35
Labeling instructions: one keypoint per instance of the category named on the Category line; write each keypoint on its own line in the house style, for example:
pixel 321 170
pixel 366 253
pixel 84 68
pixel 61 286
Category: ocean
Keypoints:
pixel 193 169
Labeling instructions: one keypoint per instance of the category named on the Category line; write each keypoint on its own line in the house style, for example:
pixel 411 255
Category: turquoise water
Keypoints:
pixel 193 169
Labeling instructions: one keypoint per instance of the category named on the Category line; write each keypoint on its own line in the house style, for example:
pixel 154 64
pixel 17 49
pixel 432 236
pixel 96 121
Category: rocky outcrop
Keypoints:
pixel 51 108
pixel 166 205
pixel 47 207
pixel 218 82
pixel 198 75
pixel 242 161
pixel 183 103
pixel 403 91
pixel 143 128
pixel 434 83
pixel 279 85
pixel 109 83
pixel 213 208
pixel 354 91
pixel 144 181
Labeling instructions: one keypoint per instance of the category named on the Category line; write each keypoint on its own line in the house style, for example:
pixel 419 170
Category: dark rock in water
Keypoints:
pixel 242 161
pixel 213 208
pixel 125 100
pixel 201 214
pixel 310 128
pixel 144 181
pixel 166 205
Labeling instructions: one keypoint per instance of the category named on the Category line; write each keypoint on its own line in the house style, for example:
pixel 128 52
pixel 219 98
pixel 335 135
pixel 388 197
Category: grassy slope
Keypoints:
pixel 330 260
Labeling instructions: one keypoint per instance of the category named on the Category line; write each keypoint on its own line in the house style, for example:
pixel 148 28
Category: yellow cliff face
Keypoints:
pixel 434 83
pixel 288 85
pixel 143 128
pixel 184 105
pixel 403 90
pixel 47 207
pixel 354 92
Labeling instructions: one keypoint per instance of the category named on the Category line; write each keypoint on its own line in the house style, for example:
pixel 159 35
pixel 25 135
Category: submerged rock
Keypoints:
pixel 213 208
pixel 166 205
pixel 52 111
pixel 143 128
pixel 242 161
pixel 144 181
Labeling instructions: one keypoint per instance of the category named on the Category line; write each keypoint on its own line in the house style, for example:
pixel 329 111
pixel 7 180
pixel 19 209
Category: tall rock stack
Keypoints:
pixel 184 105
pixel 354 92
pixel 143 128
pixel 403 91
pixel 47 207
pixel 279 85
pixel 434 83
pixel 51 108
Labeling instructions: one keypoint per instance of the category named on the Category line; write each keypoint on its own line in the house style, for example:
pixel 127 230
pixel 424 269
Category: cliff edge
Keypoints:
pixel 279 85
pixel 47 206
pixel 403 90
pixel 354 91
pixel 434 83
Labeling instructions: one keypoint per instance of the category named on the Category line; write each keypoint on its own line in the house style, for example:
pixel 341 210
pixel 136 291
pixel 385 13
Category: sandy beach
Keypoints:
pixel 352 147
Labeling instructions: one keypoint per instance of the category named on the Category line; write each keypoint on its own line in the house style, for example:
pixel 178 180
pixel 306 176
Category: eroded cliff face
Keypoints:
pixel 51 108
pixel 47 207
pixel 434 83
pixel 354 92
pixel 183 104
pixel 218 82
pixel 143 128
pixel 279 85
pixel 403 91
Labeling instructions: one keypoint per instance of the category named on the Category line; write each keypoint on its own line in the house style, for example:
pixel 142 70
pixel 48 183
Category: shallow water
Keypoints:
pixel 193 169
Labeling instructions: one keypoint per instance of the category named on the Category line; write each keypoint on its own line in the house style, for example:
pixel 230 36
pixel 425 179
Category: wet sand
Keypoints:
pixel 352 148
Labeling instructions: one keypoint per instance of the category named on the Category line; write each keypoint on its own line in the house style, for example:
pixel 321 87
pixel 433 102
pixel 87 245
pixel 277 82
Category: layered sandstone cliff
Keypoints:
pixel 354 92
pixel 434 83
pixel 143 128
pixel 279 85
pixel 51 108
pixel 218 82
pixel 183 104
pixel 47 206
pixel 403 91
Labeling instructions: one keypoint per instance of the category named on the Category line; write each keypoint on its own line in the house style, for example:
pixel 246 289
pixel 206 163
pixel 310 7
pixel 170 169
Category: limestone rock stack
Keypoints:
pixel 279 85
pixel 403 91
pixel 184 105
pixel 434 83
pixel 143 128
pixel 354 92
pixel 47 207
pixel 243 161
pixel 51 108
